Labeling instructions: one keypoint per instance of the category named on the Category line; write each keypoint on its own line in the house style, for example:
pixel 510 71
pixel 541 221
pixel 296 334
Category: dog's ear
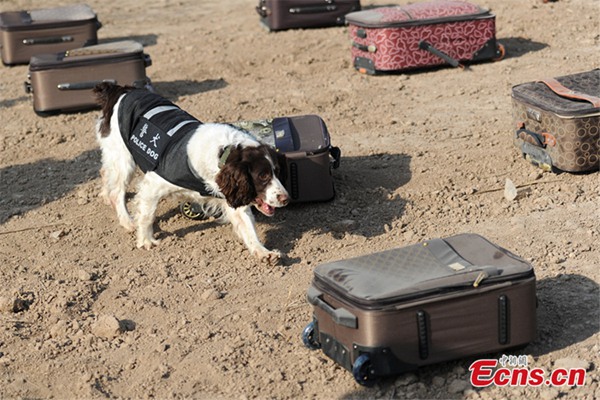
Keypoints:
pixel 235 182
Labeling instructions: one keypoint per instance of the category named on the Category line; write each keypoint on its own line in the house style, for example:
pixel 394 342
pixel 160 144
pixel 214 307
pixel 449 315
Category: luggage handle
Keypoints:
pixel 563 91
pixel 340 316
pixel 423 45
pixel 313 9
pixel 83 85
pixel 48 40
pixel 363 47
pixel 262 9
pixel 336 154
pixel 537 139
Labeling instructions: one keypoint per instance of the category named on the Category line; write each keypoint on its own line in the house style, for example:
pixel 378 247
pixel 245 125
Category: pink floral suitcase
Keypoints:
pixel 425 34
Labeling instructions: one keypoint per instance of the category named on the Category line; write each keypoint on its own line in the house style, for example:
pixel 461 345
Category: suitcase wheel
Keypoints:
pixel 308 337
pixel 501 52
pixel 189 211
pixel 362 370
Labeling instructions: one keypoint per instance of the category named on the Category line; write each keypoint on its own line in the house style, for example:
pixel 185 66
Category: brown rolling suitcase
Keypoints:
pixel 558 122
pixel 63 82
pixel 27 33
pixel 309 157
pixel 422 34
pixel 288 14
pixel 443 299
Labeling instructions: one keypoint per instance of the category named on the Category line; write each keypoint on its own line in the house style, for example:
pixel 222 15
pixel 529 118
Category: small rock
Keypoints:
pixel 59 329
pixel 210 294
pixel 406 379
pixel 568 363
pixel 438 381
pixel 107 326
pixel 83 275
pixel 549 394
pixel 6 304
pixel 56 235
pixel 510 190
pixel 458 386
pixel 343 225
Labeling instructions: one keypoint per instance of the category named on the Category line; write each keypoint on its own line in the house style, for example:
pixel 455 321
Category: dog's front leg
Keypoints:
pixel 243 224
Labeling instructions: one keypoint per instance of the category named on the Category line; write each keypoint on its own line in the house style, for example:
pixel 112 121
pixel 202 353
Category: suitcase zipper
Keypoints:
pixel 60 64
pixel 392 302
pixel 458 18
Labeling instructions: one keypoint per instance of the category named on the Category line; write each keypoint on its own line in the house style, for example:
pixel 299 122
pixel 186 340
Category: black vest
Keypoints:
pixel 157 132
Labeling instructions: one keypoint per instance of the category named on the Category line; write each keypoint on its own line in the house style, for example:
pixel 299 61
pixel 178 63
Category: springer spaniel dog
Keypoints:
pixel 223 169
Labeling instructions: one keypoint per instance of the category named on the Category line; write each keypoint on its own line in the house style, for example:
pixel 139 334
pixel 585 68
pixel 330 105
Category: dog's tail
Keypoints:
pixel 107 94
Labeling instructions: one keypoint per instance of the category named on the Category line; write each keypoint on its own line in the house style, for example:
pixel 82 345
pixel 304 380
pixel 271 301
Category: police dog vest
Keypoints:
pixel 157 132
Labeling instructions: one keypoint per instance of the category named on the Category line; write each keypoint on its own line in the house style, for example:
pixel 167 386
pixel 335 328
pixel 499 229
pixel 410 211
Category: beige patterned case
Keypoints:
pixel 557 122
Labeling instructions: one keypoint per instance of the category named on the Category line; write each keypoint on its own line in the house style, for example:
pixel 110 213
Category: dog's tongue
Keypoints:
pixel 264 207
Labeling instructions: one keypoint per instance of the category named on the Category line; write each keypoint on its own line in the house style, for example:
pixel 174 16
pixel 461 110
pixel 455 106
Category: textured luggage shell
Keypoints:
pixel 309 155
pixel 557 121
pixel 63 82
pixel 289 14
pixel 421 304
pixel 395 38
pixel 27 33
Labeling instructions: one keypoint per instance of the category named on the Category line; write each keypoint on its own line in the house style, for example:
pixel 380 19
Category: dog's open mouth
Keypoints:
pixel 265 208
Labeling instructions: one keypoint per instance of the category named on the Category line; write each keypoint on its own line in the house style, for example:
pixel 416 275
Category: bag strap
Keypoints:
pixel 563 91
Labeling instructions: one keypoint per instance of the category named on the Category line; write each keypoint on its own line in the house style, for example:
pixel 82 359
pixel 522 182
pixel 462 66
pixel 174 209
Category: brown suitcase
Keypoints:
pixel 288 14
pixel 558 122
pixel 27 33
pixel 443 299
pixel 63 82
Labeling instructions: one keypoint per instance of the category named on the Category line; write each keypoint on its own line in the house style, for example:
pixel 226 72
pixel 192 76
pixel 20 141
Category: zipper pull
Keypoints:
pixel 482 275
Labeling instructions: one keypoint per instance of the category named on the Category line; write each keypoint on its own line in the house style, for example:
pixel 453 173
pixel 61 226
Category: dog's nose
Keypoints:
pixel 283 199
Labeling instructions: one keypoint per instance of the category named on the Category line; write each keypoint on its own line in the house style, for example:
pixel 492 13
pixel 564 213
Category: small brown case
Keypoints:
pixel 27 33
pixel 63 82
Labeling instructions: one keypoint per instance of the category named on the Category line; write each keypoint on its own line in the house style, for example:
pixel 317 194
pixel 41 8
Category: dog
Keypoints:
pixel 221 168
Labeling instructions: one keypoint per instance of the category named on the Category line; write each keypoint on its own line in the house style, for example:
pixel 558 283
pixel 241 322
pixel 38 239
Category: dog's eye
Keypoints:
pixel 264 176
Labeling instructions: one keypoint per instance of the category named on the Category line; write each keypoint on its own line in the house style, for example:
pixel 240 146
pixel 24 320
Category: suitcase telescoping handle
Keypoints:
pixel 48 40
pixel 542 139
pixel 340 316
pixel 82 85
pixel 423 45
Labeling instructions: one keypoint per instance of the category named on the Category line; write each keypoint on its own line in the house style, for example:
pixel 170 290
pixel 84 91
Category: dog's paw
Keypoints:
pixel 128 224
pixel 147 243
pixel 272 257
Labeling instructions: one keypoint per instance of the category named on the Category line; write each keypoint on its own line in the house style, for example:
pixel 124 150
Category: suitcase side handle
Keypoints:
pixel 423 45
pixel 340 316
pixel 48 40
pixel 82 85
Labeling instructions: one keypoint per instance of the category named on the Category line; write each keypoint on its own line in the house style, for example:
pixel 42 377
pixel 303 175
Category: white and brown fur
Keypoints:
pixel 248 177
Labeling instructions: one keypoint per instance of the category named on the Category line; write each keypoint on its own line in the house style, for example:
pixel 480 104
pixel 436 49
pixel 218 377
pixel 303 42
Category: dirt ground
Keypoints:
pixel 85 314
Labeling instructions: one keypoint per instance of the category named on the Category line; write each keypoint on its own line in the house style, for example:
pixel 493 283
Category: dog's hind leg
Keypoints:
pixel 116 172
pixel 116 178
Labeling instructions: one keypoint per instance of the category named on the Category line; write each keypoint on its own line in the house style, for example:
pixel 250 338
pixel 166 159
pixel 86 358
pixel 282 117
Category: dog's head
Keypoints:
pixel 251 175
